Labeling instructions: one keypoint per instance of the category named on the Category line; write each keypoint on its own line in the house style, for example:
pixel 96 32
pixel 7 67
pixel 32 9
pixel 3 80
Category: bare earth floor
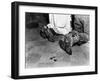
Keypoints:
pixel 39 51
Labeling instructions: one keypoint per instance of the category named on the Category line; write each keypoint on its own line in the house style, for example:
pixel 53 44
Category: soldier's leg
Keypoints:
pixel 83 38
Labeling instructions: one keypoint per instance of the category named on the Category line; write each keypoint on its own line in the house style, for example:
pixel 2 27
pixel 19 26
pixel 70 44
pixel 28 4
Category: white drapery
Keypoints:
pixel 60 23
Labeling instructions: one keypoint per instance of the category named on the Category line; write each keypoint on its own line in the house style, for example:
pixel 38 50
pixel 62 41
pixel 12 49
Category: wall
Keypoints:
pixel 5 40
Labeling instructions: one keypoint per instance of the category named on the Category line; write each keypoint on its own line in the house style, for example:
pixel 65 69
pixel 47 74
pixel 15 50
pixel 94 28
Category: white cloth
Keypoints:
pixel 60 23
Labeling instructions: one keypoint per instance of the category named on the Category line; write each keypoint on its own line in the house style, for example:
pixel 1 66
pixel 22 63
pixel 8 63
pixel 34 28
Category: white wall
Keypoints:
pixel 5 39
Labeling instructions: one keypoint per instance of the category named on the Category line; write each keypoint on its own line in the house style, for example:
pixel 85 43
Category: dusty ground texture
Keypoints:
pixel 38 52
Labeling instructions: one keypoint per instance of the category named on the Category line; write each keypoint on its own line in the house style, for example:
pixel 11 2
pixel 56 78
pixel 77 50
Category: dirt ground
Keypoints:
pixel 38 52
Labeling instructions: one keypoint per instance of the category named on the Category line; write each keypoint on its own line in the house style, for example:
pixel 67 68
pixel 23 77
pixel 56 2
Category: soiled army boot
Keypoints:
pixel 83 38
pixel 42 30
pixel 68 41
pixel 47 33
pixel 65 44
